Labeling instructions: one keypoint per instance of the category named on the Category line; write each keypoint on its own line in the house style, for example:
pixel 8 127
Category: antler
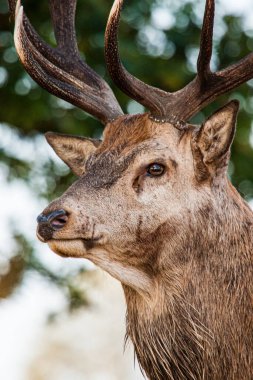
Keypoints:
pixel 61 70
pixel 149 96
pixel 185 103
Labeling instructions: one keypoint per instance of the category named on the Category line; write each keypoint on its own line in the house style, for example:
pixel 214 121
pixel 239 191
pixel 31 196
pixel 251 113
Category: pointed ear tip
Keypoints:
pixel 234 104
pixel 49 136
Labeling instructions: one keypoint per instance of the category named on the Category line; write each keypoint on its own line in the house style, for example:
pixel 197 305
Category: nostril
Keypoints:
pixel 59 222
pixel 56 219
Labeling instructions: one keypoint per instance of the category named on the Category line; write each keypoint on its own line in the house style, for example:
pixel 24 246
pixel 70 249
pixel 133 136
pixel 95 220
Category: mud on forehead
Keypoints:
pixel 104 169
pixel 124 139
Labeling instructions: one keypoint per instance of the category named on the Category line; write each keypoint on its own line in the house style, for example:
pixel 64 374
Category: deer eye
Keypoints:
pixel 155 170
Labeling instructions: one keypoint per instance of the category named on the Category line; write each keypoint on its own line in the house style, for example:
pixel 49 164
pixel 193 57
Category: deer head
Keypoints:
pixel 150 171
pixel 147 190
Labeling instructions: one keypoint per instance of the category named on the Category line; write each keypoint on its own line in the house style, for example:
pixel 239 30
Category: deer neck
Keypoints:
pixel 183 330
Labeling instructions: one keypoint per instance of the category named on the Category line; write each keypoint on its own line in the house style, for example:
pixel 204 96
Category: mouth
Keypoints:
pixel 92 242
pixel 79 247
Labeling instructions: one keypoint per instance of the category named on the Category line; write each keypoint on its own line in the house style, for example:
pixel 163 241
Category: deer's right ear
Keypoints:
pixel 211 144
pixel 73 150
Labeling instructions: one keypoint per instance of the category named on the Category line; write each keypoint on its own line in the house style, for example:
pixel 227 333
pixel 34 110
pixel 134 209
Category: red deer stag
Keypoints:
pixel 153 205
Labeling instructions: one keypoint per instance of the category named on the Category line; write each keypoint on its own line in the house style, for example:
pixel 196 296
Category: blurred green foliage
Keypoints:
pixel 160 56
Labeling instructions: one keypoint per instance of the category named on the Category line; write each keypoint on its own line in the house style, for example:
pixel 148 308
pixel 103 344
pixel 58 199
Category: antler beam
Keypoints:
pixel 61 70
pixel 185 103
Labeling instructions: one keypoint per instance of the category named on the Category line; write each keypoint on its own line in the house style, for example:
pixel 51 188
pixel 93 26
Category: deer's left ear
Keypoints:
pixel 73 150
pixel 211 144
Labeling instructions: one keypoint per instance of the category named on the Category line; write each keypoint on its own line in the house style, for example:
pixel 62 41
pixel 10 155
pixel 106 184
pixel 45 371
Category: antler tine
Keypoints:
pixel 234 75
pixel 12 7
pixel 61 70
pixel 63 25
pixel 226 79
pixel 208 86
pixel 63 19
pixel 206 41
pixel 68 60
pixel 152 98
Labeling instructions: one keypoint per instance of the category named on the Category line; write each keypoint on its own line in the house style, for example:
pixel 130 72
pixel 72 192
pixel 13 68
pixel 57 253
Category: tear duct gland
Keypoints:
pixel 179 238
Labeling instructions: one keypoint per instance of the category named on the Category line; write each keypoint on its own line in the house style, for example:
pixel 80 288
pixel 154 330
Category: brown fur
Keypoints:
pixel 202 327
pixel 126 132
pixel 181 244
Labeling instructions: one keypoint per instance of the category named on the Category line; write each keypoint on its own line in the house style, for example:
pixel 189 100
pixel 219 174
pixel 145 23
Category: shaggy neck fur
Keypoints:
pixel 198 324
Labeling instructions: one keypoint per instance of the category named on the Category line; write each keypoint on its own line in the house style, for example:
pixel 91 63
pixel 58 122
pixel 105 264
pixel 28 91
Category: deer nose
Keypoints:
pixel 56 219
pixel 48 223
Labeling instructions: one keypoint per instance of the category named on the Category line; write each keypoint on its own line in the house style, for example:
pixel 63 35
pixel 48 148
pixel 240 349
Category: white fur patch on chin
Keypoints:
pixel 127 275
pixel 68 248
pixel 130 276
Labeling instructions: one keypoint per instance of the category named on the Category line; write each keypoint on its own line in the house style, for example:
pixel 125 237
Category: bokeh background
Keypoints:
pixel 60 318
